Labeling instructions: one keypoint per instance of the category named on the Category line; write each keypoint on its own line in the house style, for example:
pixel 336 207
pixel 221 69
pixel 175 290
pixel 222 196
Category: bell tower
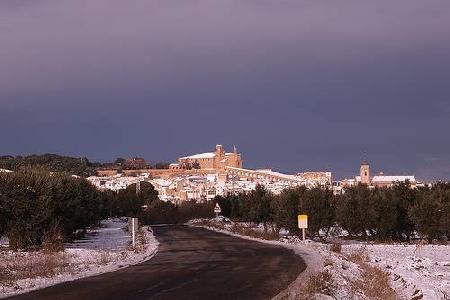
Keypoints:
pixel 364 172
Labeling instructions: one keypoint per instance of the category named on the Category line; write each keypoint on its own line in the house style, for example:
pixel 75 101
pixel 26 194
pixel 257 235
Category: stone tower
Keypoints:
pixel 220 152
pixel 364 172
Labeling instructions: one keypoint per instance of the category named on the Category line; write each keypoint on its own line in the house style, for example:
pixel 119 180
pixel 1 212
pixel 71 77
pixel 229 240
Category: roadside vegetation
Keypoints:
pixel 380 214
pixel 40 209
pixel 37 206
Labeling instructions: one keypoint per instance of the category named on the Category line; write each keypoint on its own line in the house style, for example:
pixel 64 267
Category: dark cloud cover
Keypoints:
pixel 296 85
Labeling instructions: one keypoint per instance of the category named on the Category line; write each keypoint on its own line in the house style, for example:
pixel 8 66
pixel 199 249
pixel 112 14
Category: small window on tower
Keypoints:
pixel 365 173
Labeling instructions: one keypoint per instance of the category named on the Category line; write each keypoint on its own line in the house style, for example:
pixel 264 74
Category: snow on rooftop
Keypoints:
pixel 200 156
pixel 382 178
pixel 5 171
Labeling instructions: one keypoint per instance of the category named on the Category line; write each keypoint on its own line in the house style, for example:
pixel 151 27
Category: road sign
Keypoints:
pixel 217 208
pixel 303 224
pixel 302 221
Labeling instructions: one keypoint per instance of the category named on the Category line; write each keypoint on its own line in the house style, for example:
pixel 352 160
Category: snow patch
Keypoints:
pixel 102 250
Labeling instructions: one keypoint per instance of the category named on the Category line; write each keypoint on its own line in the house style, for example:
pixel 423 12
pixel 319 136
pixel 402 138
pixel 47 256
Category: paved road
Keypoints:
pixel 191 263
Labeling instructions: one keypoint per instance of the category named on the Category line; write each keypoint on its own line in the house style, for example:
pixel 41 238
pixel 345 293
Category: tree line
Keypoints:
pixel 36 205
pixel 397 213
pixel 39 207
pixel 80 166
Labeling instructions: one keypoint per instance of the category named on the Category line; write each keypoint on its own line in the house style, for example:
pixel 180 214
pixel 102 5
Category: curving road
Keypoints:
pixel 191 263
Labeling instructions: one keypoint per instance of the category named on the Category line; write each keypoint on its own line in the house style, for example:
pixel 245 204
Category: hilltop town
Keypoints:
pixel 204 176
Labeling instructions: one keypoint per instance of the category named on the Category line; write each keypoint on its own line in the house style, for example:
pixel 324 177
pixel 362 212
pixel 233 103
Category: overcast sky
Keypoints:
pixel 295 85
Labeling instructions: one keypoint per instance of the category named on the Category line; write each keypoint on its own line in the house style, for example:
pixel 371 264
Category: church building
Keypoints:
pixel 217 160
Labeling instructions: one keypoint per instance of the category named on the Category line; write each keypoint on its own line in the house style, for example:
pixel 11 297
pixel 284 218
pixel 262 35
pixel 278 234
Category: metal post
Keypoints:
pixel 304 234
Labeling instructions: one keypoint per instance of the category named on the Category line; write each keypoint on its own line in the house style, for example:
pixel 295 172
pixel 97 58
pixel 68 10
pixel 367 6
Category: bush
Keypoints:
pixel 38 205
pixel 318 283
pixel 52 162
pixel 431 212
pixel 160 212
pixel 261 207
pixel 336 247
pixel 383 214
pixel 129 203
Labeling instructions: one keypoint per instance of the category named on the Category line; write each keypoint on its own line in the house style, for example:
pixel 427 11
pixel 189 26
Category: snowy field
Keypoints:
pixel 413 274
pixel 414 270
pixel 102 250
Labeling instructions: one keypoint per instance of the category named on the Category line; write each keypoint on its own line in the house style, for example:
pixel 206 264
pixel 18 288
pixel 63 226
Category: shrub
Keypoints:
pixel 336 247
pixel 34 201
pixel 318 283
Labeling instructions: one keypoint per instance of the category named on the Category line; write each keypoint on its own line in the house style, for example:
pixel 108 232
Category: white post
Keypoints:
pixel 304 234
pixel 133 232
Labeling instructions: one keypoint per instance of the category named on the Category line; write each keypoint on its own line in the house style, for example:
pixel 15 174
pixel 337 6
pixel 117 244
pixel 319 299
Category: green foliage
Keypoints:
pixel 230 205
pixel 318 204
pixel 129 203
pixel 53 162
pixel 431 211
pixel 354 209
pixel 119 161
pixel 256 205
pixel 394 213
pixel 285 209
pixel 160 212
pixel 160 165
pixel 33 202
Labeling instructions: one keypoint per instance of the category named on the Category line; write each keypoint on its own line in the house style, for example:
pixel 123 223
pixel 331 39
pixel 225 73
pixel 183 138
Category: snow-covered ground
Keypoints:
pixel 102 250
pixel 414 270
pixel 413 274
pixel 110 235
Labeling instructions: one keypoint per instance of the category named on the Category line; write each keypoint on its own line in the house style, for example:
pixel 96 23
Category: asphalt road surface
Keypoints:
pixel 191 263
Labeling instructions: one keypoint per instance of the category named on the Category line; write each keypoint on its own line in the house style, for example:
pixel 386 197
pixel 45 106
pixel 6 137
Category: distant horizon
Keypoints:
pixel 374 170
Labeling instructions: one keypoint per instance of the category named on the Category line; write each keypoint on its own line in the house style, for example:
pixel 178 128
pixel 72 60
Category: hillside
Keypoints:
pixel 80 166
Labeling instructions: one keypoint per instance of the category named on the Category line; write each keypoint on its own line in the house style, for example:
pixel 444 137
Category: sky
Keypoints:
pixel 296 85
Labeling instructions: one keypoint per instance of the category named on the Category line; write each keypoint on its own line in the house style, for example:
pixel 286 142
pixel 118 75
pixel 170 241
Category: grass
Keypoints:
pixel 141 242
pixel 252 232
pixel 374 283
pixel 318 283
pixel 241 229
pixel 104 258
pixel 336 247
pixel 17 266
